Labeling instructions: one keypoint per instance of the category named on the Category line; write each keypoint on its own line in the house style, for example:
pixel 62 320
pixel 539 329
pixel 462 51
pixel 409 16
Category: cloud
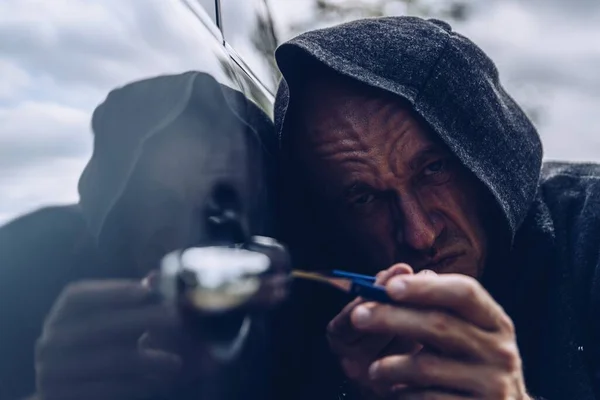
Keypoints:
pixel 38 185
pixel 43 147
pixel 33 132
pixel 58 60
pixel 99 44
pixel 570 131
pixel 45 101
pixel 14 79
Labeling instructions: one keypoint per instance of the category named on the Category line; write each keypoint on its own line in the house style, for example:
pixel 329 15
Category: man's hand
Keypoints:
pixel 470 349
pixel 358 349
pixel 90 346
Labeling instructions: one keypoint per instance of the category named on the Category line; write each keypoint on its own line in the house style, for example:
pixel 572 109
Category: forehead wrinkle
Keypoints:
pixel 350 131
pixel 347 154
pixel 339 132
pixel 353 154
pixel 397 128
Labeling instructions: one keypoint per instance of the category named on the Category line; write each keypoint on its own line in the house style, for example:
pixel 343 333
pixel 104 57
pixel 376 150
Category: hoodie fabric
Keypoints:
pixel 548 277
pixel 44 251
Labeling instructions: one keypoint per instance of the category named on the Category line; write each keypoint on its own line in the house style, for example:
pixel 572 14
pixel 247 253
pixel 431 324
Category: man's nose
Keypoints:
pixel 418 228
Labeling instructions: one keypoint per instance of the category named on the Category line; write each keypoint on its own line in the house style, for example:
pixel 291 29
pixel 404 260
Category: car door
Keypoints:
pixel 109 45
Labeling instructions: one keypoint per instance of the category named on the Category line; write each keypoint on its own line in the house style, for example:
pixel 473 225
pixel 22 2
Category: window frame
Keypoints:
pixel 200 12
pixel 238 58
pixel 219 18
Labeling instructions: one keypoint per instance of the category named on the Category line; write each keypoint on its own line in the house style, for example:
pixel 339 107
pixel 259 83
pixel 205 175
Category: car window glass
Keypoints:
pixel 210 8
pixel 248 28
pixel 66 65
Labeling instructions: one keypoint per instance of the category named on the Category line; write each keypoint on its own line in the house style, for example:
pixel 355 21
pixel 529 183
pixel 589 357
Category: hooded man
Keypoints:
pixel 403 150
pixel 167 151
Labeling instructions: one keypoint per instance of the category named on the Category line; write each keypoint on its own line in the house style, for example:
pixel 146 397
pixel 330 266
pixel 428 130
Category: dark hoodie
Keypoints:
pixel 547 277
pixel 44 251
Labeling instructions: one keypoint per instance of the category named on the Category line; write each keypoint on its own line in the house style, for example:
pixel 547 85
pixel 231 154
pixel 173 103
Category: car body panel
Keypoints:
pixel 162 37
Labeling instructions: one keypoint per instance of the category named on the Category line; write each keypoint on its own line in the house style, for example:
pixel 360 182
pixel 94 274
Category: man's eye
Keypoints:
pixel 363 199
pixel 434 168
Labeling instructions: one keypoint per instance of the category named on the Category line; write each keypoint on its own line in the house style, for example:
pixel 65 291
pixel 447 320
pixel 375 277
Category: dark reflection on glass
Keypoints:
pixel 162 147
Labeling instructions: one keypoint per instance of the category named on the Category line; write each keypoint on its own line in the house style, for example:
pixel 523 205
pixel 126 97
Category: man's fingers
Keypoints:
pixel 120 389
pixel 398 269
pixel 427 272
pixel 426 370
pixel 442 331
pixel 359 374
pixel 340 328
pixel 460 294
pixel 348 342
pixel 367 347
pixel 108 364
pixel 107 327
pixel 91 296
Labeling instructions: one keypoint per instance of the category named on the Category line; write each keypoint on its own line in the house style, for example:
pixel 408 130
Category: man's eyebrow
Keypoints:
pixel 425 154
pixel 356 187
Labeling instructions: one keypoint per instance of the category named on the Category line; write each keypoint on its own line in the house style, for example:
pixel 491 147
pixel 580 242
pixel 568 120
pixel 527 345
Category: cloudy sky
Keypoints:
pixel 59 58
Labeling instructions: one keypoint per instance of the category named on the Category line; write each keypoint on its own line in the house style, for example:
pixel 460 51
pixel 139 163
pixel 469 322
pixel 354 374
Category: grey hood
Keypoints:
pixel 448 80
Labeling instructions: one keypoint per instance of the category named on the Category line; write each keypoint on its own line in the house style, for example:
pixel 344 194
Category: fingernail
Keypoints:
pixel 397 287
pixel 361 316
pixel 428 272
pixel 374 370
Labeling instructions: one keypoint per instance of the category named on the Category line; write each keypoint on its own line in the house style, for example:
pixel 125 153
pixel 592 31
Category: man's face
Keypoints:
pixel 393 190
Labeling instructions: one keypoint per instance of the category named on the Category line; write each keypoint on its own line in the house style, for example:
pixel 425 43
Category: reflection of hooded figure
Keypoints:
pixel 546 274
pixel 160 147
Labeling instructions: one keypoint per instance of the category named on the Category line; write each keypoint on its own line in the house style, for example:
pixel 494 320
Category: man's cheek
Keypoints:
pixel 374 238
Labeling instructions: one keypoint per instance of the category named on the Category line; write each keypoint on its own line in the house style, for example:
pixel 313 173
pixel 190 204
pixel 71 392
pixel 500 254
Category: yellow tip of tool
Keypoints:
pixel 340 283
pixel 309 275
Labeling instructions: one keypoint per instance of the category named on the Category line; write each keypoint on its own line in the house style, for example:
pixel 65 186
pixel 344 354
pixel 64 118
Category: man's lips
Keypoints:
pixel 440 263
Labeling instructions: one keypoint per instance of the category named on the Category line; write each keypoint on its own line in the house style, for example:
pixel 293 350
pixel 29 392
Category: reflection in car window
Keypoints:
pixel 174 124
pixel 66 64
pixel 248 28
pixel 210 8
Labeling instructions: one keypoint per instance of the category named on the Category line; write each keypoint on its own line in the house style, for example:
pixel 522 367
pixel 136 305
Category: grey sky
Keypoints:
pixel 59 58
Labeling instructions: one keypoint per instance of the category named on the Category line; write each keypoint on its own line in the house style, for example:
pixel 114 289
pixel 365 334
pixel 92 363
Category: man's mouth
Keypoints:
pixel 442 263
